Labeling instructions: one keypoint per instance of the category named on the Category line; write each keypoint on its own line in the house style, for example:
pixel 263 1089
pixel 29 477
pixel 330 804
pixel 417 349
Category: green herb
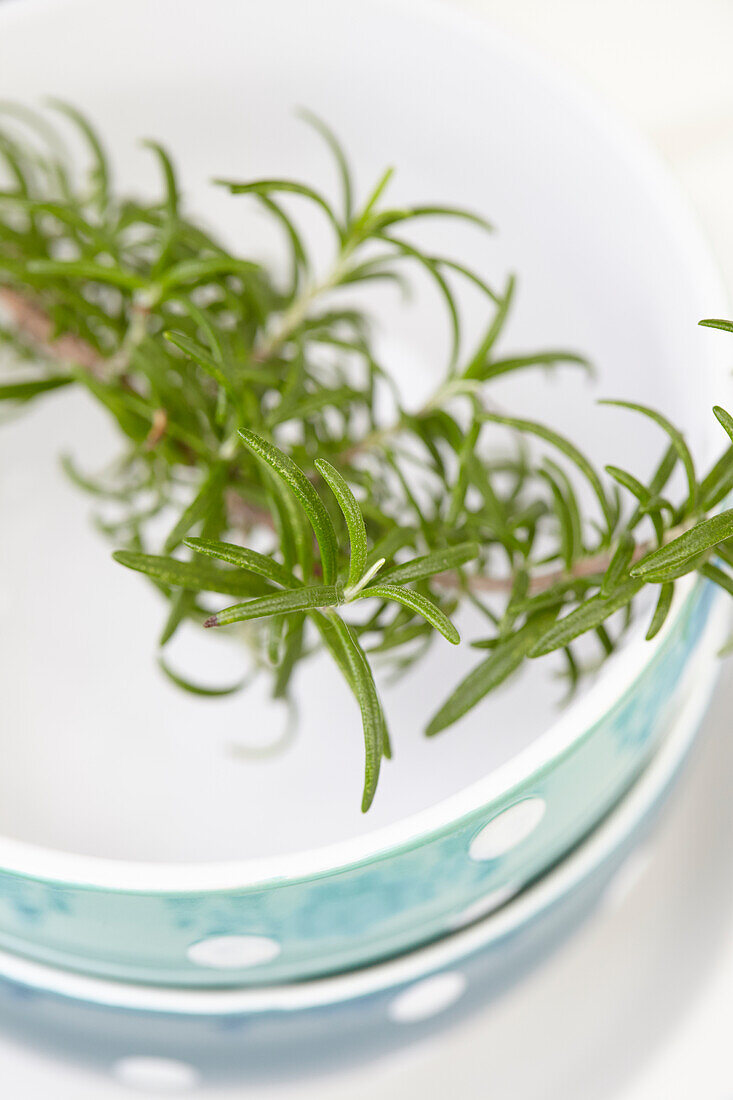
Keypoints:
pixel 250 409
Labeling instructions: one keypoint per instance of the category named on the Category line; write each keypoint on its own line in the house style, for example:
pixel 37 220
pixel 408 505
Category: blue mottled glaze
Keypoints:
pixel 385 905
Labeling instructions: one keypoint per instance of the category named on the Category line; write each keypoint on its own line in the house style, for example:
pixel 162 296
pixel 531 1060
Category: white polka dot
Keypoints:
pixel 427 998
pixel 155 1074
pixel 485 905
pixel 626 879
pixel 507 829
pixel 233 952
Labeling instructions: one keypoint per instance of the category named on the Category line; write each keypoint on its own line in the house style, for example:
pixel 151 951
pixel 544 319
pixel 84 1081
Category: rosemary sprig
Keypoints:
pixel 251 408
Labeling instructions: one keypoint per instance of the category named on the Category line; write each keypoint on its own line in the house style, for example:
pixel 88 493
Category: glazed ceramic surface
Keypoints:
pixel 141 840
pixel 270 931
pixel 173 1038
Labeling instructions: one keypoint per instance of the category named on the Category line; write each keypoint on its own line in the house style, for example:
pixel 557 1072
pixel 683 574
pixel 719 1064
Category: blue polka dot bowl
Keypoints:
pixel 165 1039
pixel 160 839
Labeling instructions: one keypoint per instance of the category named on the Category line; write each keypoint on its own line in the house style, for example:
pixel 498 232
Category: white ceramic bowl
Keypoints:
pixel 151 1038
pixel 137 839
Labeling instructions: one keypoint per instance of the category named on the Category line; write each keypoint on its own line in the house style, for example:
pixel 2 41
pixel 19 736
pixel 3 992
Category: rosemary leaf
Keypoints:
pixel 439 561
pixel 198 689
pixel 351 657
pixel 504 659
pixel 279 603
pixel 194 575
pixel 416 602
pixel 618 566
pixel 302 489
pixel 567 448
pixel 588 616
pixel 678 442
pixel 686 547
pixel 244 558
pixel 23 391
pixel 354 519
pixel 666 592
pixel 718 576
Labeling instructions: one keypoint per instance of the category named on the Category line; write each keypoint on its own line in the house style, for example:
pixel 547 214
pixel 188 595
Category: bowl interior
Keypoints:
pixel 101 755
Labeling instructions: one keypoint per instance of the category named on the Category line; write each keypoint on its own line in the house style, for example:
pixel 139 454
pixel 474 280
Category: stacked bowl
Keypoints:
pixel 306 937
pixel 159 1038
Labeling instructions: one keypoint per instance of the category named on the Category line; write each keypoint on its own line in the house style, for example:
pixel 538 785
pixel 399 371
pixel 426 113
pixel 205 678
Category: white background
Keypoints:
pixel 639 1005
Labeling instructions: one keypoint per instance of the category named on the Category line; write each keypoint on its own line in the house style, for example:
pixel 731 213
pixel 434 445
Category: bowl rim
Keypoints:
pixel 622 671
pixel 617 828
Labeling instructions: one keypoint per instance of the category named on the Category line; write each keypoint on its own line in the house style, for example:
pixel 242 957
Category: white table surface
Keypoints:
pixel 638 1006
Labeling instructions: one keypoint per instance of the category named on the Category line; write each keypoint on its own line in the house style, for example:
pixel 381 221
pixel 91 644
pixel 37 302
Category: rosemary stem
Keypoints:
pixel 67 350
pixel 297 312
